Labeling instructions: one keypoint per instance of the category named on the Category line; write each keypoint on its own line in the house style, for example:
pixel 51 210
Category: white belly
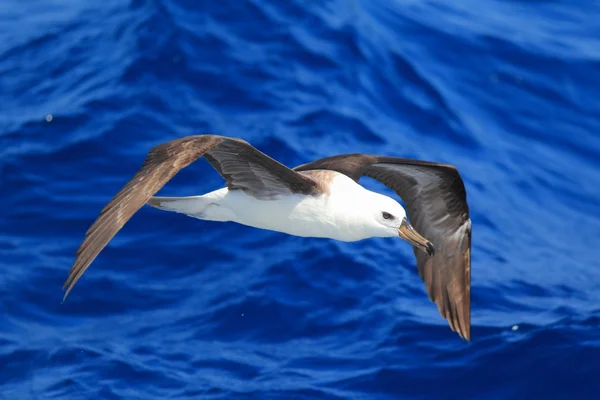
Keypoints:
pixel 295 215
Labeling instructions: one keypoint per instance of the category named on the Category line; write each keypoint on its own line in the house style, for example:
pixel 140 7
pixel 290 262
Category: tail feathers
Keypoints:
pixel 201 207
pixel 188 205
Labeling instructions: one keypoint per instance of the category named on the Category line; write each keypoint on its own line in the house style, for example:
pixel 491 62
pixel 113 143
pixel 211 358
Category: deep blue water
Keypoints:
pixel 508 91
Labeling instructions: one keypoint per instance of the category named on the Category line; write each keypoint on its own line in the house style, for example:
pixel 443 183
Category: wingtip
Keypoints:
pixel 68 286
pixel 465 335
pixel 66 294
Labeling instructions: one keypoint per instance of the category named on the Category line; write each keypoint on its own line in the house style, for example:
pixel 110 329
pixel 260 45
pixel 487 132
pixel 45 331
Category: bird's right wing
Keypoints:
pixel 436 204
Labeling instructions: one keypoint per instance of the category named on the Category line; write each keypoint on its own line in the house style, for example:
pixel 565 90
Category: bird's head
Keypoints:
pixel 390 220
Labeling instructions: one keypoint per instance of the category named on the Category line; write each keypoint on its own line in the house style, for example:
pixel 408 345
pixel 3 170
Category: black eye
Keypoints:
pixel 387 215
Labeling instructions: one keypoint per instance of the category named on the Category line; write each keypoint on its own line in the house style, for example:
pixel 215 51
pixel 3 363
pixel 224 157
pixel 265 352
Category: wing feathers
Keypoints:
pixel 244 168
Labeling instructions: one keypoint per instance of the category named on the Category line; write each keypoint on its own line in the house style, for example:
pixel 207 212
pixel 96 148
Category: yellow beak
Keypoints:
pixel 408 233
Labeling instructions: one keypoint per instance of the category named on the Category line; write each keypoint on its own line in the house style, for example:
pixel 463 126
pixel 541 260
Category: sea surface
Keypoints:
pixel 178 308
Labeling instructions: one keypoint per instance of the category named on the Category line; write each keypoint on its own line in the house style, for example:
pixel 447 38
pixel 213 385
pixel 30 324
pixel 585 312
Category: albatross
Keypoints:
pixel 319 199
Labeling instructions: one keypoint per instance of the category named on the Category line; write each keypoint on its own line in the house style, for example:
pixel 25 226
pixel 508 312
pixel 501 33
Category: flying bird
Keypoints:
pixel 319 199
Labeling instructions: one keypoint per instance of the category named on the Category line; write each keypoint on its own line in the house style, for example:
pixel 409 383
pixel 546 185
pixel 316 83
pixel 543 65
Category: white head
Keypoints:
pixel 385 217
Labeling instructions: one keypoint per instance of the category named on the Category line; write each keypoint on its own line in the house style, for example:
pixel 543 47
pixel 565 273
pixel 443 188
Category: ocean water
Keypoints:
pixel 177 308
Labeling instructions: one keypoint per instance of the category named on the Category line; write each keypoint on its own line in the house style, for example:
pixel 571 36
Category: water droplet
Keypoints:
pixel 49 118
pixel 515 327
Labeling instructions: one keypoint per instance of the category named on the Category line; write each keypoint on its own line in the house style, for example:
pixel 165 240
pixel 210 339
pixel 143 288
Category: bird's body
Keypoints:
pixel 319 199
pixel 339 214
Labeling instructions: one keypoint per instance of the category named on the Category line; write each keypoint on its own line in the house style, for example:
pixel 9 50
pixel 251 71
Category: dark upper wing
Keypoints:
pixel 436 203
pixel 244 167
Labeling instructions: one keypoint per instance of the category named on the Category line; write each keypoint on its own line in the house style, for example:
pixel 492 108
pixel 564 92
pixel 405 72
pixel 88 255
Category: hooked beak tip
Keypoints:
pixel 430 250
pixel 408 233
